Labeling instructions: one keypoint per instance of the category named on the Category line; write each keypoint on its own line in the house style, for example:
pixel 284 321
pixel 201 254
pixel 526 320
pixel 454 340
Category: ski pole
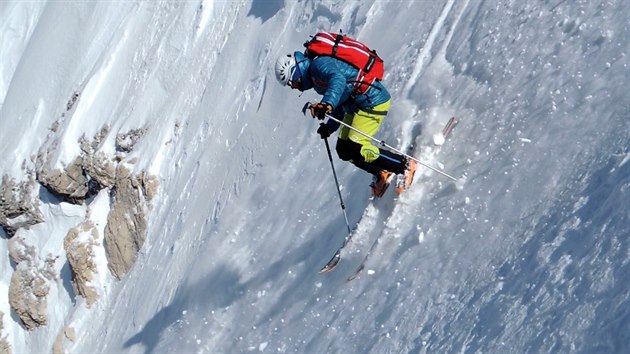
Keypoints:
pixel 383 143
pixel 343 206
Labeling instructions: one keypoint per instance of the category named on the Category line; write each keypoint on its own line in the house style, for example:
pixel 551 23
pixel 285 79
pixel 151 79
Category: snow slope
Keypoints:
pixel 527 252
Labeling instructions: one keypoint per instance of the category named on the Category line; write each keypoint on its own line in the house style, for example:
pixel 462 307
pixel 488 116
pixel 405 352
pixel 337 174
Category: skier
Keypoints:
pixel 336 81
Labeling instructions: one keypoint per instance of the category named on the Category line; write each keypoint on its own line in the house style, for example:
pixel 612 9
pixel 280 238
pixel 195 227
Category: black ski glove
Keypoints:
pixel 319 110
pixel 323 130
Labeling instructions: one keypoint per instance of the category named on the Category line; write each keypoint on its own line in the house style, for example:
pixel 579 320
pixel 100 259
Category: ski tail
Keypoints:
pixel 332 263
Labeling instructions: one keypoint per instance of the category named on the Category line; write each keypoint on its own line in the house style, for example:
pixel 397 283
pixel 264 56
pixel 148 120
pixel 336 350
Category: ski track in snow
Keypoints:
pixel 425 54
pixel 387 219
pixel 392 223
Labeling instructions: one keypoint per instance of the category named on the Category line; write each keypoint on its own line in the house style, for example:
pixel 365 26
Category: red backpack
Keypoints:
pixel 351 51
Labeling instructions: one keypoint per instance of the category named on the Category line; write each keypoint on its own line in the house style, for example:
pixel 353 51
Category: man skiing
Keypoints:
pixel 336 81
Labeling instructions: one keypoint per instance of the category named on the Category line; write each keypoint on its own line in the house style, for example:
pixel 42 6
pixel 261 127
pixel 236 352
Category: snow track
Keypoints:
pixel 424 57
pixel 387 220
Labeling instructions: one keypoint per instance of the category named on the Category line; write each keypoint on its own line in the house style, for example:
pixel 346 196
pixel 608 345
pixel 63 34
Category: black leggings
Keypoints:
pixel 351 151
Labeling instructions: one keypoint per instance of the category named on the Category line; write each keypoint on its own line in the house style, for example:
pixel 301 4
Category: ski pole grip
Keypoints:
pixel 306 107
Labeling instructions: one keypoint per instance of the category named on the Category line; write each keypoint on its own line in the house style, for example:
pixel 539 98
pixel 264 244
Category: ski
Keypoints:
pixel 363 262
pixel 332 263
pixel 438 140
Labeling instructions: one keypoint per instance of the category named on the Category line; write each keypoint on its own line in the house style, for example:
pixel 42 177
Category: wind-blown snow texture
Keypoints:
pixel 527 252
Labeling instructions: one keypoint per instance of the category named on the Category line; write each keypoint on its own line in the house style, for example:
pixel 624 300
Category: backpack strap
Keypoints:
pixel 370 63
pixel 338 40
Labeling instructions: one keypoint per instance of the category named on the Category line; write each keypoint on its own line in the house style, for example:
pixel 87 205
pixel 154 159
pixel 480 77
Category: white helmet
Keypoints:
pixel 285 66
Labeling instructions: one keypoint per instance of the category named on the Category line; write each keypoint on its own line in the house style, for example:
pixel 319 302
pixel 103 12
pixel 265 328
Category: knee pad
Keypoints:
pixel 370 153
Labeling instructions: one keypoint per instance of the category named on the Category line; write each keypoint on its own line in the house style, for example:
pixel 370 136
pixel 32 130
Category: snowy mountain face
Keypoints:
pixel 161 192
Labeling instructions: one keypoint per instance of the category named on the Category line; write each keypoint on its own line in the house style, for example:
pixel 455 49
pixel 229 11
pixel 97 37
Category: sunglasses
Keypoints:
pixel 296 78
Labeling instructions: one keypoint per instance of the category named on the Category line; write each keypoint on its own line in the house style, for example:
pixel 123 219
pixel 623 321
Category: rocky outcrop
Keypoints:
pixel 19 251
pixel 126 224
pixel 79 246
pixel 98 166
pixel 19 207
pixel 126 141
pixel 29 283
pixel 88 173
pixel 122 236
pixel 101 171
pixel 28 291
pixel 149 185
pixel 71 183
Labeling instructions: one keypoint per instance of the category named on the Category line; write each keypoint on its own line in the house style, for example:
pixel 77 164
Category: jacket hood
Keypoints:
pixel 303 64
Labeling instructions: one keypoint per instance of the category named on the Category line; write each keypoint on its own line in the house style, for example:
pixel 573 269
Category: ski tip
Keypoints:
pixel 449 126
pixel 331 265
pixel 327 269
pixel 440 138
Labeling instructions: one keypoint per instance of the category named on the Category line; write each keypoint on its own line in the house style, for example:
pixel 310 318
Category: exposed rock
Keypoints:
pixel 97 141
pixel 5 348
pixel 55 126
pixel 70 333
pixel 65 333
pixel 19 207
pixel 126 141
pixel 90 172
pixel 58 344
pixel 71 184
pixel 126 224
pixel 148 184
pixel 99 167
pixel 30 283
pixel 19 251
pixel 151 186
pixel 125 231
pixel 72 101
pixel 79 246
pixel 101 170
pixel 29 290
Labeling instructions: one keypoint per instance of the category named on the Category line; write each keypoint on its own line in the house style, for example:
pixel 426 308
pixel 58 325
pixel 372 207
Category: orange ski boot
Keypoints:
pixel 380 183
pixel 404 181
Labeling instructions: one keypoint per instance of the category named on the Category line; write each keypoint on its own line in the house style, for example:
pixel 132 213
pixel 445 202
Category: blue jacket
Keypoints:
pixel 333 79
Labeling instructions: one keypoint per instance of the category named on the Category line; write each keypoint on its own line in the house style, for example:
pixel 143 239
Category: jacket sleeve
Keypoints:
pixel 328 70
pixel 337 113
